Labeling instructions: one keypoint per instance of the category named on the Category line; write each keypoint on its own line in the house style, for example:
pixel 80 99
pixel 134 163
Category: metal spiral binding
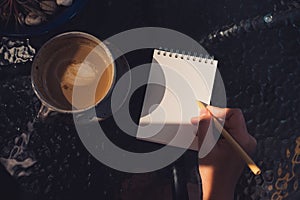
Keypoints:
pixel 183 55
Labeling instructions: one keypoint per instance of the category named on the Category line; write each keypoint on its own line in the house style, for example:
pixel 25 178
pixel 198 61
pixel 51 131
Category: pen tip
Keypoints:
pixel 201 105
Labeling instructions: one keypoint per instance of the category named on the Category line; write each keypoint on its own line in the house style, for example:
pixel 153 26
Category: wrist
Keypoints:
pixel 218 194
pixel 216 186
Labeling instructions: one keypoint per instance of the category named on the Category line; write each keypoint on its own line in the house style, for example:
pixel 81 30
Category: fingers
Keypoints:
pixel 234 123
pixel 202 115
pixel 219 113
pixel 250 149
pixel 233 118
pixel 203 122
pixel 236 126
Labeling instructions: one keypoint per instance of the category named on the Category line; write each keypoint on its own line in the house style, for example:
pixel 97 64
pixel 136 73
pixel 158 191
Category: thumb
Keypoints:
pixel 202 116
pixel 203 122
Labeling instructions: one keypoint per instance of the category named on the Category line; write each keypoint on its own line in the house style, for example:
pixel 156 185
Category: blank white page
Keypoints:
pixel 175 84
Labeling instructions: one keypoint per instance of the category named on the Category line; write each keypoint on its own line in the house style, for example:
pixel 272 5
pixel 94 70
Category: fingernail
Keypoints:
pixel 216 111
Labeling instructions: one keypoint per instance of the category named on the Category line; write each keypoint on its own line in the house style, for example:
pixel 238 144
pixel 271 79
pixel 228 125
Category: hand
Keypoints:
pixel 222 167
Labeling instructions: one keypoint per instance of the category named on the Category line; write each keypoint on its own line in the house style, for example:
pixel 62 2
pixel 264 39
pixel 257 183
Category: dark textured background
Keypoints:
pixel 260 70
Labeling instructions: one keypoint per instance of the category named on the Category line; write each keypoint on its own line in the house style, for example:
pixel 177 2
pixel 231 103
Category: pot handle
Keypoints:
pixel 43 112
pixel 84 119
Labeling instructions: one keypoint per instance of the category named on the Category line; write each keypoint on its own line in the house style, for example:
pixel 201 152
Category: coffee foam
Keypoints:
pixel 76 62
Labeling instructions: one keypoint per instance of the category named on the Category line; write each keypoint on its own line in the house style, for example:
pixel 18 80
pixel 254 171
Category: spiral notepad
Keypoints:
pixel 176 81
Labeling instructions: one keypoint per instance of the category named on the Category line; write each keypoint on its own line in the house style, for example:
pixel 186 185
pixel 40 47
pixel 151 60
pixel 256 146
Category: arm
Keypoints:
pixel 222 167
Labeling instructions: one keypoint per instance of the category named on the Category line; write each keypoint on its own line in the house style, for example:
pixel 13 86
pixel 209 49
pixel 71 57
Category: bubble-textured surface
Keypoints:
pixel 260 69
